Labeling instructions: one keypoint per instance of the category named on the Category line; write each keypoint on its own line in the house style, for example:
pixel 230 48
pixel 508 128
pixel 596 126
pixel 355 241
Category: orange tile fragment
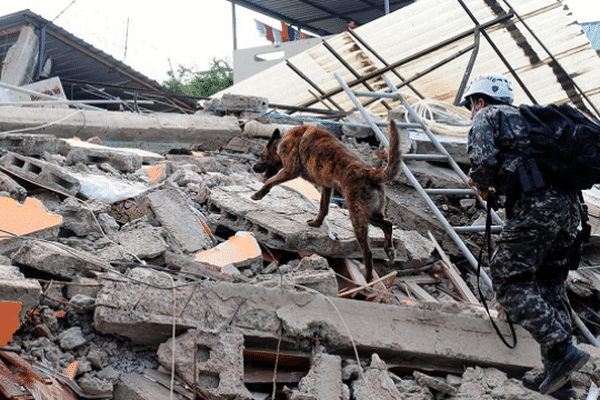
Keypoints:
pixel 305 187
pixel 238 248
pixel 72 369
pixel 156 172
pixel 26 218
pixel 9 320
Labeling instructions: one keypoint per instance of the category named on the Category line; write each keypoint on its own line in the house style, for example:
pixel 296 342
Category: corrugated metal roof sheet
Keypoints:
pixel 78 63
pixel 324 17
pixel 428 32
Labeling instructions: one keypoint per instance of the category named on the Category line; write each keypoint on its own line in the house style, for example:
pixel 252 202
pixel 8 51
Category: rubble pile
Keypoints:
pixel 142 276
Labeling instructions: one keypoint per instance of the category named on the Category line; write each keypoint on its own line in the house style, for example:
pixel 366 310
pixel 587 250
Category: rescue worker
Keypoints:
pixel 530 263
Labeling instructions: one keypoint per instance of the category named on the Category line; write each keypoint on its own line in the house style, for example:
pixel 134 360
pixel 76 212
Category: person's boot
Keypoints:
pixel 567 358
pixel 533 382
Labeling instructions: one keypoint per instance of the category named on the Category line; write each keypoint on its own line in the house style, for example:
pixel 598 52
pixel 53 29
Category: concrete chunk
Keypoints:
pixel 123 161
pixel 29 144
pixel 21 58
pixel 212 360
pixel 448 338
pixel 15 288
pixel 56 260
pixel 170 209
pixel 40 172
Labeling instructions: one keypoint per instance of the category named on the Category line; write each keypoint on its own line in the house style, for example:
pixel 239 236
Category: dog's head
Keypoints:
pixel 269 161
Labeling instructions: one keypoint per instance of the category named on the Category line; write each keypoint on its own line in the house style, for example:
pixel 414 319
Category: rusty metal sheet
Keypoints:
pixel 20 381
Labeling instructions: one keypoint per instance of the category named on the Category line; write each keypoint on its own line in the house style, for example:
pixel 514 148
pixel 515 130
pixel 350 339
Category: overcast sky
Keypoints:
pixel 153 36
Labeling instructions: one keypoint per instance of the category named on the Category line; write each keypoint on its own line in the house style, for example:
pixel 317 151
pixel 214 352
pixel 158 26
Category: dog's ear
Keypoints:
pixel 274 138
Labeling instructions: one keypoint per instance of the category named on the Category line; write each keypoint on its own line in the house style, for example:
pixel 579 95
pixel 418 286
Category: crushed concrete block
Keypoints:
pixel 14 287
pixel 280 222
pixel 376 382
pixel 71 338
pixel 148 157
pixel 404 334
pixel 79 217
pixel 241 102
pixel 9 185
pixel 42 173
pixel 56 260
pixel 122 161
pixel 32 145
pixel 212 360
pixel 134 386
pixel 241 250
pixel 170 209
pixel 94 386
pixel 27 219
pixel 439 385
pixel 324 380
pixel 142 240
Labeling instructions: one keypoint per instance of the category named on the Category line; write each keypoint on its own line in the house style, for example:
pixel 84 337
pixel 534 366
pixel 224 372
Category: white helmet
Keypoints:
pixel 495 86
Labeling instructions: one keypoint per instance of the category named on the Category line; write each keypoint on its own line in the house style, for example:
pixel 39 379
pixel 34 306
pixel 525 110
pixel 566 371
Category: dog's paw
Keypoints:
pixel 390 253
pixel 257 196
pixel 315 223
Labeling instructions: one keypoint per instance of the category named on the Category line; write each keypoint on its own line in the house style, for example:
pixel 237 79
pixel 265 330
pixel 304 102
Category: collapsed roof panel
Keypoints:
pixel 79 65
pixel 536 42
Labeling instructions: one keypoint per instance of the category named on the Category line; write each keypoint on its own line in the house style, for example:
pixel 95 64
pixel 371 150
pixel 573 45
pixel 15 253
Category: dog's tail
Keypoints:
pixel 389 172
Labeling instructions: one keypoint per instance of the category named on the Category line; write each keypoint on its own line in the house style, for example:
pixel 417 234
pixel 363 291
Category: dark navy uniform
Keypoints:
pixel 529 266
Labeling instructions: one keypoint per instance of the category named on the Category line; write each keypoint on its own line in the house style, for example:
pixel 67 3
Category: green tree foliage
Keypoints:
pixel 203 83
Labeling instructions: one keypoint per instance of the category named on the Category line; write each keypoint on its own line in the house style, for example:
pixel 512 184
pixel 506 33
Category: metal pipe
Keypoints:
pixel 42 95
pixel 67 102
pixel 468 70
pixel 234 24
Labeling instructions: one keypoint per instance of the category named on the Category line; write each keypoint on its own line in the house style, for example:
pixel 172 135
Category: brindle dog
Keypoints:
pixel 319 157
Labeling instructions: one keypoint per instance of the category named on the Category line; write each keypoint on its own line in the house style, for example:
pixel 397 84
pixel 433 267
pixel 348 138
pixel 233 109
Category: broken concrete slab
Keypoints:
pixel 32 145
pixel 138 240
pixel 122 161
pixel 448 339
pixel 14 287
pixel 56 259
pixel 207 131
pixel 212 361
pixel 40 172
pixel 170 209
pixel 148 157
pixel 30 219
pixel 279 222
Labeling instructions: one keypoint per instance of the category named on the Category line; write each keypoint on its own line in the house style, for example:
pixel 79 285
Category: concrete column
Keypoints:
pixel 19 65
